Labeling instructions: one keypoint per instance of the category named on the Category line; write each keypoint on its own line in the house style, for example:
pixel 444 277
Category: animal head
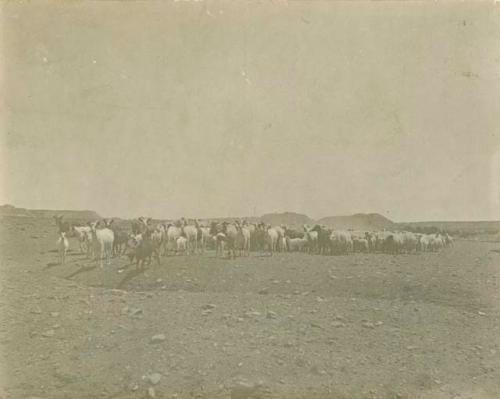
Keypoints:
pixel 94 225
pixel 107 223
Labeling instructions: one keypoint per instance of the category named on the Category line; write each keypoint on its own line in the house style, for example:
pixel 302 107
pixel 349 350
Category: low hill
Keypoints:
pixel 287 218
pixel 359 221
pixel 466 227
pixel 9 210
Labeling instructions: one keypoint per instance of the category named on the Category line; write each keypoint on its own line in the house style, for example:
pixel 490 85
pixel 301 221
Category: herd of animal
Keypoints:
pixel 100 240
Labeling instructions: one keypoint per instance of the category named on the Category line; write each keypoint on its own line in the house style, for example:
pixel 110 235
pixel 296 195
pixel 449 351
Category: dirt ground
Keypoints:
pixel 289 326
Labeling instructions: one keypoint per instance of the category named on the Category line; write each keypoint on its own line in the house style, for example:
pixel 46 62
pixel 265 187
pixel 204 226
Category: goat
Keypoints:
pixel 103 240
pixel 145 249
pixel 62 246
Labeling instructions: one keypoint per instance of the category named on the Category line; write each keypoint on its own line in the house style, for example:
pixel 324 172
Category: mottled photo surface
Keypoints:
pixel 249 199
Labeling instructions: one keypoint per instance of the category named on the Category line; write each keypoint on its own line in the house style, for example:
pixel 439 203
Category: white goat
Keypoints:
pixel 62 246
pixel 103 241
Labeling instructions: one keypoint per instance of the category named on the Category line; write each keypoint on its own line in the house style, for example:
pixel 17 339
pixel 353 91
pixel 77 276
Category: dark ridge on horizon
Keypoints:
pixel 357 221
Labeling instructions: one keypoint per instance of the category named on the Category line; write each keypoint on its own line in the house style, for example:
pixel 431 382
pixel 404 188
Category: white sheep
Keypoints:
pixel 182 244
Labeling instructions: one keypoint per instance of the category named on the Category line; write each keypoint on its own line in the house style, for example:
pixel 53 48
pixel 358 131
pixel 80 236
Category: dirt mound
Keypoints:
pixel 286 218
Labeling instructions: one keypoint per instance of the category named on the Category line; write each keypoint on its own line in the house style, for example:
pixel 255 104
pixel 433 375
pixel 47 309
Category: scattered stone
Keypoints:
pixel 209 306
pixel 271 314
pixel 151 392
pixel 337 324
pixel 54 314
pixel 368 324
pixel 264 291
pixel 36 311
pixel 159 280
pixel 154 378
pixel 481 313
pixel 158 338
pixel 133 387
pixel 379 323
pixel 48 333
pixel 252 314
pixel 136 312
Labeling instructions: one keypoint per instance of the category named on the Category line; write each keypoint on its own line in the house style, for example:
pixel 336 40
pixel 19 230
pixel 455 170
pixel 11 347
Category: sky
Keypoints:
pixel 206 109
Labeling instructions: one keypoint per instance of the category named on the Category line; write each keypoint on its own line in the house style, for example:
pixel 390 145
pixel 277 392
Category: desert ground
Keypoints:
pixel 289 326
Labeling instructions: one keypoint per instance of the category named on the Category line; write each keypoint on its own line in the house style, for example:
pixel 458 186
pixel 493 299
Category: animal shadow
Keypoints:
pixel 129 276
pixel 81 270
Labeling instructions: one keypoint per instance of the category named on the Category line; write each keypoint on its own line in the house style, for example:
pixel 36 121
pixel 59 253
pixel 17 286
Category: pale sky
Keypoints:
pixel 202 109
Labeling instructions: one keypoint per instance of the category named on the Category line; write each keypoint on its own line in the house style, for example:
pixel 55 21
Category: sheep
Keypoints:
pixel 220 244
pixel 173 233
pixel 296 244
pixel 181 245
pixel 82 233
pixel 145 249
pixel 103 240
pixel 272 237
pixel 191 233
pixel 243 239
pixel 62 246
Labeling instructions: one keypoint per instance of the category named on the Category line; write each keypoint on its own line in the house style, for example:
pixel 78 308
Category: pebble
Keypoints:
pixel 136 312
pixel 151 392
pixel 158 338
pixel 48 333
pixel 271 314
pixel 252 314
pixel 368 324
pixel 209 306
pixel 154 378
pixel 338 324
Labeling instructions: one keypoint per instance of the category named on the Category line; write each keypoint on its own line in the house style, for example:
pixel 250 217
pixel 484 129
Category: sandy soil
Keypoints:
pixel 288 326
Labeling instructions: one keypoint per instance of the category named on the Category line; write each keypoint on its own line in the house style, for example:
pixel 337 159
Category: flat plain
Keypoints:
pixel 292 325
